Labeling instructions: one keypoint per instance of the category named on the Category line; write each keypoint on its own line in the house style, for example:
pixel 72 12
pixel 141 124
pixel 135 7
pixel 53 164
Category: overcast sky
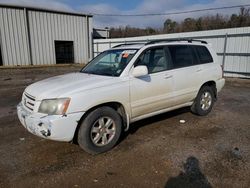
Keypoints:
pixel 133 7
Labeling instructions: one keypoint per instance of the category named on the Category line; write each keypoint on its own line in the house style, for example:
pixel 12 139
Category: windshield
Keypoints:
pixel 110 63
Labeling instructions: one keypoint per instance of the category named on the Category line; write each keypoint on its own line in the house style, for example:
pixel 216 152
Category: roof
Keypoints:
pixel 40 9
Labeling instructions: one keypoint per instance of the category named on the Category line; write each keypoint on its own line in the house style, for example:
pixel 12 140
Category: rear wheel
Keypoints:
pixel 204 101
pixel 100 130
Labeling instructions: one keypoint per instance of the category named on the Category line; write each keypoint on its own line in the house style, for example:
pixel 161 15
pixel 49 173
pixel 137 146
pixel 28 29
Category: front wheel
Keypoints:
pixel 100 130
pixel 204 101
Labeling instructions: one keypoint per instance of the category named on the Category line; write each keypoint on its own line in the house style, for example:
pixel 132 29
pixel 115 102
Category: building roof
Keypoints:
pixel 40 9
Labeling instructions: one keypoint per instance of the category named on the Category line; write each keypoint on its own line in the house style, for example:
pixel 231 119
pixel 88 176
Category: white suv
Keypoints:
pixel 122 85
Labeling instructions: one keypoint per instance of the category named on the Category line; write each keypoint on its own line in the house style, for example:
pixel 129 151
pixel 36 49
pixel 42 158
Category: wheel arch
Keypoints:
pixel 117 106
pixel 211 84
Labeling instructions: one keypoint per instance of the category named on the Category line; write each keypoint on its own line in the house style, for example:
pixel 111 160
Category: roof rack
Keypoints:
pixel 176 40
pixel 127 44
pixel 148 42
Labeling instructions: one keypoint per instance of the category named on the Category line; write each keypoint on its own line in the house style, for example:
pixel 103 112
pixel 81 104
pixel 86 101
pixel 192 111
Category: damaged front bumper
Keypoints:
pixel 53 127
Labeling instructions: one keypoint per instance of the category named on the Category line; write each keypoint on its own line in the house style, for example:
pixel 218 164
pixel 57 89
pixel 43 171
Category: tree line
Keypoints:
pixel 218 21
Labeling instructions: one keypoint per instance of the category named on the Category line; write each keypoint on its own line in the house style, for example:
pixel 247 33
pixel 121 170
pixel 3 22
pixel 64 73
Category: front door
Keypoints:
pixel 152 92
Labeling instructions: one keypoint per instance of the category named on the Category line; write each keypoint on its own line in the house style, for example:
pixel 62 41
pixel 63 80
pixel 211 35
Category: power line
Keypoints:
pixel 172 13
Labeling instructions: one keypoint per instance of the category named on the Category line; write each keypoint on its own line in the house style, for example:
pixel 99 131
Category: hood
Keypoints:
pixel 60 86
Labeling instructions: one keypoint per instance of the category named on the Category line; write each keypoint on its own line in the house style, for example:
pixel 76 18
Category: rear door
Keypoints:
pixel 209 69
pixel 186 73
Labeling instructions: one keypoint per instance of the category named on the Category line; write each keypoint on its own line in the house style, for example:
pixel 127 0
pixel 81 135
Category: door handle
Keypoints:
pixel 168 76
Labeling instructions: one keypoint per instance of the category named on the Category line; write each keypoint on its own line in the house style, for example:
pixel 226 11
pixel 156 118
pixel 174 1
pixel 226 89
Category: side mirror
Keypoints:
pixel 139 71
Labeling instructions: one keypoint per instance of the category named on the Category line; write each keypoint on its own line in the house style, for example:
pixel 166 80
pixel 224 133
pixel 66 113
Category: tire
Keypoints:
pixel 100 130
pixel 204 101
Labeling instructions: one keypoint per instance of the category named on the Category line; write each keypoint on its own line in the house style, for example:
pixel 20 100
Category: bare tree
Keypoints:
pixel 218 21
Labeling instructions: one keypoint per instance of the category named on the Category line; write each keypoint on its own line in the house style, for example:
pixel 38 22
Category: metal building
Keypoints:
pixel 100 33
pixel 35 36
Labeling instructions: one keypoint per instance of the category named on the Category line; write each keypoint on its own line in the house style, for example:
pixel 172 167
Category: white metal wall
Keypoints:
pixel 46 27
pixel 31 40
pixel 13 37
pixel 237 48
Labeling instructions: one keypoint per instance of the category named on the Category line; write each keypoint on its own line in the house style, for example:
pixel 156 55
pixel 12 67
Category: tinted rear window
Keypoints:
pixel 203 54
pixel 182 56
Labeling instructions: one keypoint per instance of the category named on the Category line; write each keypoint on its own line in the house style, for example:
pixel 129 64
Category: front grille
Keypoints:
pixel 29 101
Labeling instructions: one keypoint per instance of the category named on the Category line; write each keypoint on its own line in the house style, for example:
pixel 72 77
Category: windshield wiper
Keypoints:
pixel 105 74
pixel 98 73
pixel 88 72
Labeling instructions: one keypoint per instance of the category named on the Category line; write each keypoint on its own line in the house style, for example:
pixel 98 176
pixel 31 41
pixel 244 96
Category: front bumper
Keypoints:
pixel 53 127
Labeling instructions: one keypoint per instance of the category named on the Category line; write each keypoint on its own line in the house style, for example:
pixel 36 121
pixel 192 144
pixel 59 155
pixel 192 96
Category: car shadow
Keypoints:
pixel 191 177
pixel 139 124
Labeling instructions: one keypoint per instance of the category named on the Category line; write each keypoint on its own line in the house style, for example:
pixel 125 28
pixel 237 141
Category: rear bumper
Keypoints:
pixel 53 127
pixel 220 84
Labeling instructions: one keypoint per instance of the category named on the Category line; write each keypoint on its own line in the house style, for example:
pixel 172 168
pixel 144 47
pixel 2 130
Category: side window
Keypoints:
pixel 154 59
pixel 144 58
pixel 203 54
pixel 182 56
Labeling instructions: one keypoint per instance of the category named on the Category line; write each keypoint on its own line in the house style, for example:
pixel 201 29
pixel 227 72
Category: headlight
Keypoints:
pixel 54 106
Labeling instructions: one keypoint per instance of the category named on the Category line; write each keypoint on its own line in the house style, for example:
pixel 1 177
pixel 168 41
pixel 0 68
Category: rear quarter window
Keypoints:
pixel 203 54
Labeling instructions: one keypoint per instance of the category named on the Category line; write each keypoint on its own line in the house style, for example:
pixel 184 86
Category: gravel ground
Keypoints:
pixel 211 151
